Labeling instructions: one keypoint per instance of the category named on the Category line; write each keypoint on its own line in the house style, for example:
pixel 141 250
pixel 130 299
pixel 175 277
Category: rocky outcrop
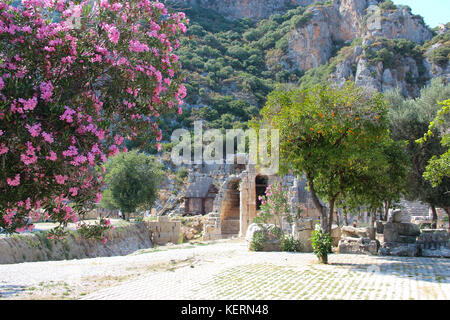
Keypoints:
pixel 36 247
pixel 255 9
pixel 313 43
pixel 394 24
pixel 332 26
pixel 434 69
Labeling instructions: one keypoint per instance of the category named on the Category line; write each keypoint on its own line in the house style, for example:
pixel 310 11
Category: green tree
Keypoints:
pixel 326 134
pixel 409 121
pixel 132 180
pixel 438 167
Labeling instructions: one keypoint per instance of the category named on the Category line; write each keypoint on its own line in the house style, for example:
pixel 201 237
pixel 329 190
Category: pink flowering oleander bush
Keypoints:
pixel 276 204
pixel 76 79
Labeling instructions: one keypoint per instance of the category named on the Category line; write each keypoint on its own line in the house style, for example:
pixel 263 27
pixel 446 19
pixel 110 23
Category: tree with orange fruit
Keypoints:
pixel 329 136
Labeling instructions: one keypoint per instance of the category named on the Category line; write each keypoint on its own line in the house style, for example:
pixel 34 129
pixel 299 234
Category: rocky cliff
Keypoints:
pixel 232 64
pixel 255 9
pixel 385 52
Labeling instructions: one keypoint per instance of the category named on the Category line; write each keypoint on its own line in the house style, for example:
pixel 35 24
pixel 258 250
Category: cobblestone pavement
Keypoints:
pixel 226 270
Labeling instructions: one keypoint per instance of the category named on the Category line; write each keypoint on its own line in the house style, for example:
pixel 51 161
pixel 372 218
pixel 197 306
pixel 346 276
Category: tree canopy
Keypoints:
pixel 132 180
pixel 76 80
pixel 328 135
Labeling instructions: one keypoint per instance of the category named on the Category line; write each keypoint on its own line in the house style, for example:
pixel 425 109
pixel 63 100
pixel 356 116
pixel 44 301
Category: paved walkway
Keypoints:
pixel 226 270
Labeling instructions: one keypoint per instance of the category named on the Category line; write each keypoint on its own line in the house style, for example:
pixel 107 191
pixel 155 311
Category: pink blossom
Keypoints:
pixel 67 115
pixel 47 137
pixel 14 182
pixel 52 156
pixel 46 91
pixel 34 130
pixel 3 149
pixel 29 104
pixel 136 46
pixel 73 191
pixel 60 179
pixel 2 84
pixel 113 33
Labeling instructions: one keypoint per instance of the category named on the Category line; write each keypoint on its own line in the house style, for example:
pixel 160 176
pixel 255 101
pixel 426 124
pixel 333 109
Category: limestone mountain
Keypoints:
pixel 238 51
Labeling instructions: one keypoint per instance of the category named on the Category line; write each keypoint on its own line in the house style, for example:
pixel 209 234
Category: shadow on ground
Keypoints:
pixel 7 291
pixel 425 269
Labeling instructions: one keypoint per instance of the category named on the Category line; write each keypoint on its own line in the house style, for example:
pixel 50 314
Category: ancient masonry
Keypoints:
pixel 236 202
pixel 396 238
pixel 163 230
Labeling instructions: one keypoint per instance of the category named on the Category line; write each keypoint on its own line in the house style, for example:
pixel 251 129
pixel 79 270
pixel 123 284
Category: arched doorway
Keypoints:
pixel 230 215
pixel 261 183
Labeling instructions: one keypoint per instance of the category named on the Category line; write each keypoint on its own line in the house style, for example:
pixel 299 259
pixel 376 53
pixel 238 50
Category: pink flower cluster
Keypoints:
pixel 69 114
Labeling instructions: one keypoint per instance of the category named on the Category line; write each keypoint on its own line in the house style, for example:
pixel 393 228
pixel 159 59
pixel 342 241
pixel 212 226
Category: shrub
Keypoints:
pixel 301 21
pixel 182 173
pixel 321 243
pixel 388 5
pixel 441 55
pixel 70 96
pixel 289 244
pixel 257 243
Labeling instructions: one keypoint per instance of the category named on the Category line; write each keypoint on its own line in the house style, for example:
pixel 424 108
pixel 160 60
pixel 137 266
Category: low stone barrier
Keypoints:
pixel 36 247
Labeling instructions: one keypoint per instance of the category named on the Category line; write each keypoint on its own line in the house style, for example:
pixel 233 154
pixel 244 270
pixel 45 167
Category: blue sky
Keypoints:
pixel 433 11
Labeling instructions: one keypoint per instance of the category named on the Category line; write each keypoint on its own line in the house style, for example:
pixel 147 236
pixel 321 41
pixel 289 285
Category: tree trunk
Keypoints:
pixel 373 219
pixel 434 215
pixel 330 215
pixel 337 218
pixel 317 204
pixel 447 211
pixel 345 218
pixel 387 204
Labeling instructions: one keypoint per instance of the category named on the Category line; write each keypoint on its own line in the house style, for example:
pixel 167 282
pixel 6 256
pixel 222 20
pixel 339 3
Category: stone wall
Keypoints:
pixel 164 230
pixel 36 247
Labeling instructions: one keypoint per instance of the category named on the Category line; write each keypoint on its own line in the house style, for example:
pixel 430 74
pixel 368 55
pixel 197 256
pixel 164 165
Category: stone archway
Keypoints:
pixel 261 184
pixel 230 213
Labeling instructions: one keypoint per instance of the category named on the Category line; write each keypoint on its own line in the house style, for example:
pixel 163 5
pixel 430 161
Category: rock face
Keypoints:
pixel 395 24
pixel 255 9
pixel 342 22
pixel 313 44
